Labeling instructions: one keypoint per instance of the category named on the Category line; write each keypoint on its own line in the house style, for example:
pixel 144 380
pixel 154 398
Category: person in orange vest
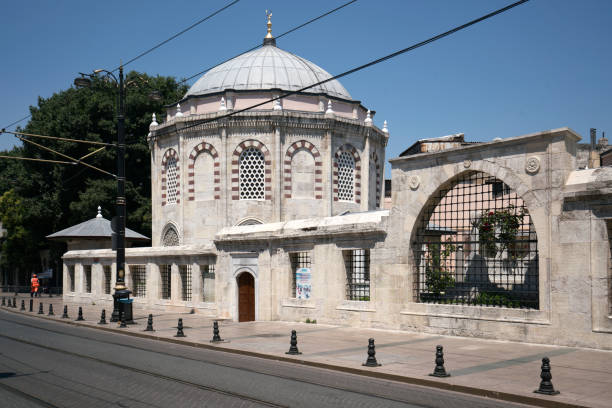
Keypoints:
pixel 34 286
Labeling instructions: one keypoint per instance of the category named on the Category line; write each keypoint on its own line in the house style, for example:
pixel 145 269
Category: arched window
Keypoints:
pixel 303 174
pixel 346 177
pixel 252 174
pixel 475 244
pixel 204 180
pixel 170 237
pixel 250 221
pixel 171 180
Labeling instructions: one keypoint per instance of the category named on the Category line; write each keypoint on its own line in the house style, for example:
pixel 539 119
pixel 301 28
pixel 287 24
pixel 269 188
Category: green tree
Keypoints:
pixel 51 197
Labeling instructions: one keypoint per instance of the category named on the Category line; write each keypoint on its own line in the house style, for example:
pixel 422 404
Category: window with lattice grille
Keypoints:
pixel 171 180
pixel 170 237
pixel 71 277
pixel 107 279
pixel 139 280
pixel 346 177
pixel 208 282
pixel 165 276
pixel 357 264
pixel 299 260
pixel 476 245
pixel 185 274
pixel 252 174
pixel 87 277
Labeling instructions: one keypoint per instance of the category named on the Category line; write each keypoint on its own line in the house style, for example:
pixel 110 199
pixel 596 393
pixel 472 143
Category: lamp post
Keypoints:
pixel 121 291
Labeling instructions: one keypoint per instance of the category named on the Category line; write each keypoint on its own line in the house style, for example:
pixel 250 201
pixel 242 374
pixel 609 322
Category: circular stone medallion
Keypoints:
pixel 533 165
pixel 414 182
pixel 467 164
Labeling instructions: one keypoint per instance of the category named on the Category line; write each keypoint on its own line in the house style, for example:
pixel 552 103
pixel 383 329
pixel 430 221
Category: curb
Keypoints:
pixel 503 396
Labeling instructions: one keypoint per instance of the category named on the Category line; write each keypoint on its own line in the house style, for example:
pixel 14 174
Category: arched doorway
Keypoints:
pixel 246 297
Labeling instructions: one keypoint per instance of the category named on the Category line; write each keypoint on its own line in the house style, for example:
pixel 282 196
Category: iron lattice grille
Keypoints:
pixel 252 174
pixel 87 276
pixel 139 280
pixel 172 177
pixel 298 260
pixel 346 177
pixel 166 282
pixel 357 262
pixel 476 245
pixel 185 273
pixel 208 282
pixel 71 277
pixel 107 279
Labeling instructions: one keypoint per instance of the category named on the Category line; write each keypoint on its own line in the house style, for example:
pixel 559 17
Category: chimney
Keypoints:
pixel 594 159
pixel 603 142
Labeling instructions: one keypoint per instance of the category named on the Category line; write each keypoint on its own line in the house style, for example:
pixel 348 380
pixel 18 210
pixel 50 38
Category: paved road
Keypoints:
pixel 43 363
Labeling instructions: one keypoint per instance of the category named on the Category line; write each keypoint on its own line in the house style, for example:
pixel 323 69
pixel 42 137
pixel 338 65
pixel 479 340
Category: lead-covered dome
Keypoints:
pixel 267 68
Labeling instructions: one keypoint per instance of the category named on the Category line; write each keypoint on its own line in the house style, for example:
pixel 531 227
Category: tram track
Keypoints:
pixel 250 370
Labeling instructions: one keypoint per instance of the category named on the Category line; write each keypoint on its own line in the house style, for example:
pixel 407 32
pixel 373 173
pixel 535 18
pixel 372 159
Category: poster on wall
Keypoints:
pixel 302 283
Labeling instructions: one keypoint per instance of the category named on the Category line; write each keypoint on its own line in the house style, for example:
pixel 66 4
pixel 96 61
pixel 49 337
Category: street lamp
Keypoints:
pixel 121 291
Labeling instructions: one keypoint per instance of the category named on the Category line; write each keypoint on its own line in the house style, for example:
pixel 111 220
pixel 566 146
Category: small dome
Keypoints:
pixel 267 68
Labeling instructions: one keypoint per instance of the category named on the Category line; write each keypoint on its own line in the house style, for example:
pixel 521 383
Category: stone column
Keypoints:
pixel 279 193
pixel 175 284
pixel 365 175
pixel 196 283
pixel 153 282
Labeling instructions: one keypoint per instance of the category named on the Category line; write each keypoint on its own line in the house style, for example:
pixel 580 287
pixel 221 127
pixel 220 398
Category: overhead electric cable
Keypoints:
pixel 16 122
pixel 64 155
pixel 57 138
pixel 278 36
pixel 179 33
pixel 38 160
pixel 359 68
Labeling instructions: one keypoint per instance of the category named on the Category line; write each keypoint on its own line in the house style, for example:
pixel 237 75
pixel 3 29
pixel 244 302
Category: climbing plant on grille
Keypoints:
pixel 475 244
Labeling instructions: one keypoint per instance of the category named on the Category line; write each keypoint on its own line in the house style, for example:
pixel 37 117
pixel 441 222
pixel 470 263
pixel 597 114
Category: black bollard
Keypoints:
pixel 149 323
pixel 3 301
pixel 440 371
pixel 546 386
pixel 102 317
pixel 65 315
pixel 371 361
pixel 179 329
pixel 122 325
pixel 31 305
pixel 14 303
pixel 216 336
pixel 40 308
pixel 293 350
pixel 22 305
pixel 80 316
pixel 50 309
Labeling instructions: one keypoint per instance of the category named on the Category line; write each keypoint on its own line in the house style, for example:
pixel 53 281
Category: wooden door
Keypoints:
pixel 246 297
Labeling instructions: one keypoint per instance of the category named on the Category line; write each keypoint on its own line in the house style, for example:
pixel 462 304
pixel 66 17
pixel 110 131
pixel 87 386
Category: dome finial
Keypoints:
pixel 269 38
pixel 99 212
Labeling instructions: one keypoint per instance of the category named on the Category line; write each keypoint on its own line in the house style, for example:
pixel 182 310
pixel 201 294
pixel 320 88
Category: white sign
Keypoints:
pixel 302 283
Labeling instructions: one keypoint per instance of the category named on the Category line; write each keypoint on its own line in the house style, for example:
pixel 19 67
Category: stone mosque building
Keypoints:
pixel 276 213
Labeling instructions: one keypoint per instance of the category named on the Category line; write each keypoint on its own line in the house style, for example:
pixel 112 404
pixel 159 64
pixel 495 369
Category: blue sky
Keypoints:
pixel 543 65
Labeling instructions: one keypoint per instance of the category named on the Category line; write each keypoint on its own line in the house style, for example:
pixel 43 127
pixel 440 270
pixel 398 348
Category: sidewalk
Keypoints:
pixel 504 370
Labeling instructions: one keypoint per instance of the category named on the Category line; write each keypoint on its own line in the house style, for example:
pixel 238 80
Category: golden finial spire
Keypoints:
pixel 269 15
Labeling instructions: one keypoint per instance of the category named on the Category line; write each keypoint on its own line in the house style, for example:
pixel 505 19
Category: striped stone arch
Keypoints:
pixel 374 159
pixel 203 148
pixel 236 169
pixel 170 153
pixel 303 144
pixel 350 149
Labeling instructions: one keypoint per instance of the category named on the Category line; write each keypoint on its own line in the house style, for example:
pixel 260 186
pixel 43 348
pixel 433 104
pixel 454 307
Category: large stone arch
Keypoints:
pixel 357 182
pixel 318 170
pixel 197 150
pixel 236 170
pixel 170 153
pixel 430 196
